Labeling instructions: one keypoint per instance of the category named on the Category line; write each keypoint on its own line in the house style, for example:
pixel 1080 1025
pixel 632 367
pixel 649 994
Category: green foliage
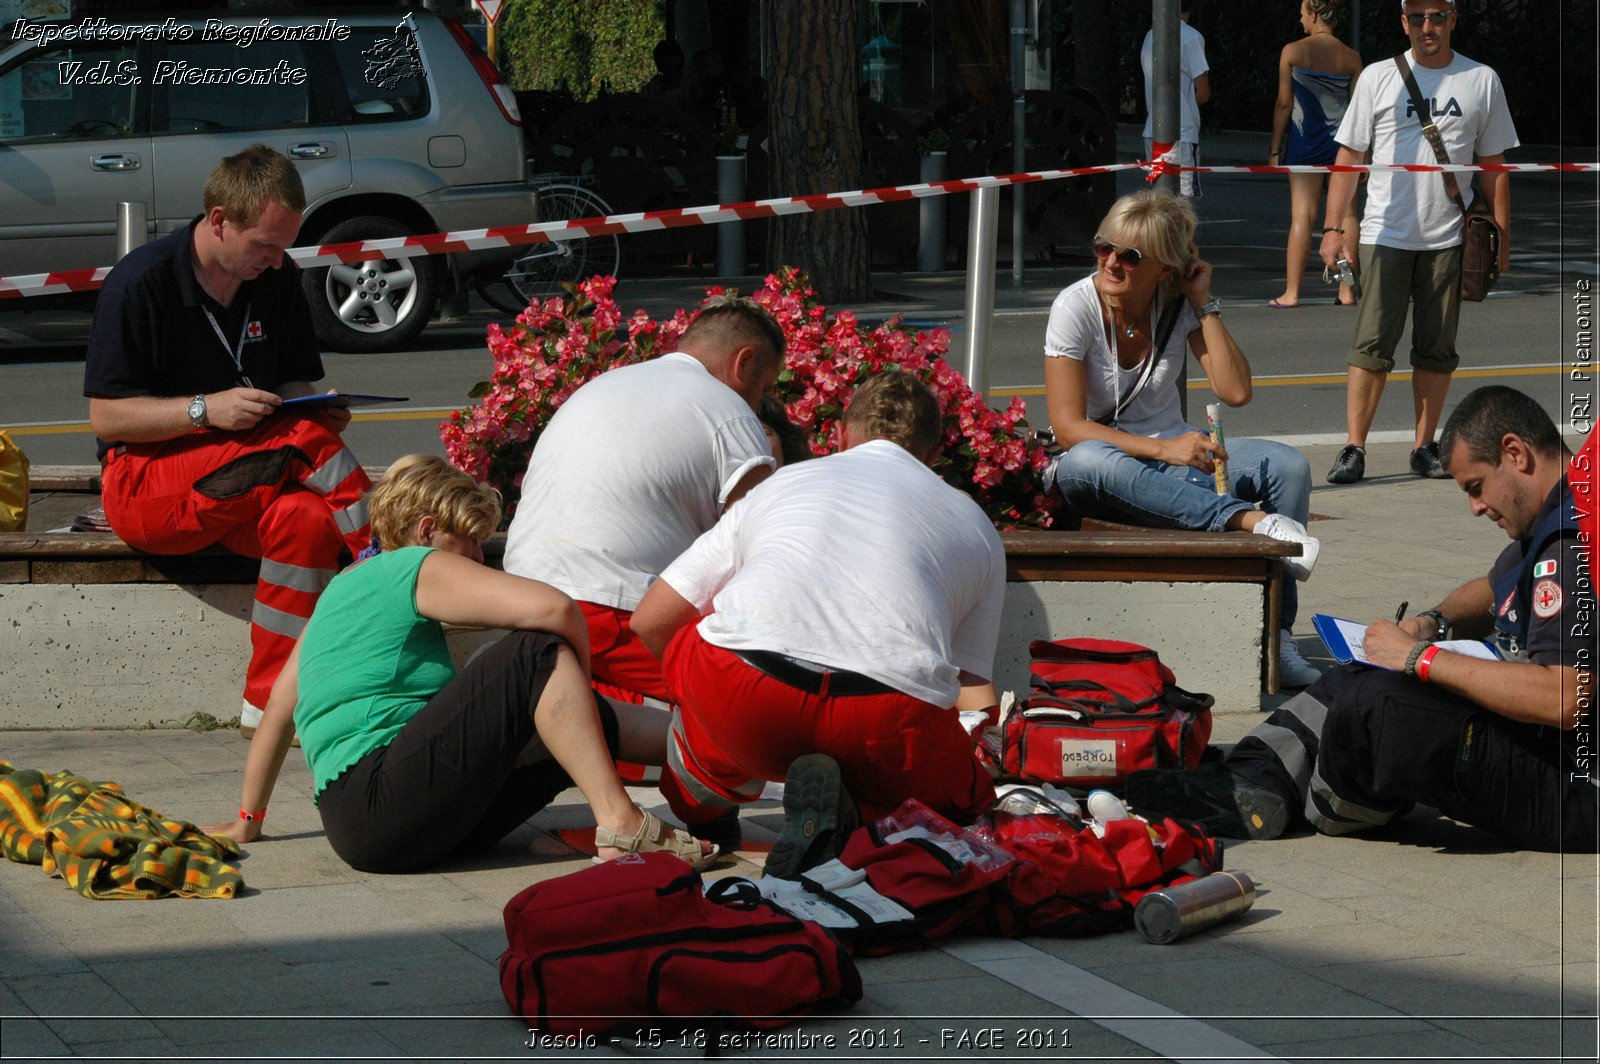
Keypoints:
pixel 586 47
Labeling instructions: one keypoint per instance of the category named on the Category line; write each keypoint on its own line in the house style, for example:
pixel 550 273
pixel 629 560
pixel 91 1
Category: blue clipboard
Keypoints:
pixel 1335 640
pixel 341 399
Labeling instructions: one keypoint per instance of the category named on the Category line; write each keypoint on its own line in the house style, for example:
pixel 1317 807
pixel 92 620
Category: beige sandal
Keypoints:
pixel 654 836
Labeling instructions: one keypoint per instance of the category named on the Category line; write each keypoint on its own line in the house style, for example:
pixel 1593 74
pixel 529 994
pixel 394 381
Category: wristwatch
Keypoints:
pixel 197 412
pixel 1213 307
pixel 1441 623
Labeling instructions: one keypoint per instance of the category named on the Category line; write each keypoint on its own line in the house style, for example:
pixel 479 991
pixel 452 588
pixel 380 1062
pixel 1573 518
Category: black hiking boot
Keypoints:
pixel 818 817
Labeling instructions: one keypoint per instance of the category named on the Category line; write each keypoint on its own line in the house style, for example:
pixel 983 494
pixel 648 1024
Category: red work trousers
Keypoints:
pixel 624 671
pixel 736 728
pixel 287 491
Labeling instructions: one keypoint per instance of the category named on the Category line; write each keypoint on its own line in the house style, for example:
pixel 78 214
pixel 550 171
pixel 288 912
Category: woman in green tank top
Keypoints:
pixel 412 762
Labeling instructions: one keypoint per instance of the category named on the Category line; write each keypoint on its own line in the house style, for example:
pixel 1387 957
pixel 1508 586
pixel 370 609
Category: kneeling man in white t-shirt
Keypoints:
pixel 839 610
pixel 635 465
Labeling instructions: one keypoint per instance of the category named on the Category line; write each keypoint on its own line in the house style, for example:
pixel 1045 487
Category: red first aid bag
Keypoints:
pixel 1069 880
pixel 1100 709
pixel 638 939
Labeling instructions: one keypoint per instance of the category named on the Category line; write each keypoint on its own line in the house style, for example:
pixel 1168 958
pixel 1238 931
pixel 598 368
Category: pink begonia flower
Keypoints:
pixel 553 347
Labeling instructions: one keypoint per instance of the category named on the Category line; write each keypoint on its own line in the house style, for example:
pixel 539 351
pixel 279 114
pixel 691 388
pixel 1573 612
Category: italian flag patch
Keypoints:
pixel 1545 568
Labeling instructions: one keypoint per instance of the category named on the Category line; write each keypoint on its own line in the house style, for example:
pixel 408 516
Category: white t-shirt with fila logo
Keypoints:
pixel 1413 211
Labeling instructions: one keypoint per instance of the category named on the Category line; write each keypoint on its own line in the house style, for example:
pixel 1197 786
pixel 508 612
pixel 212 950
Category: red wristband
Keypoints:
pixel 255 818
pixel 1424 661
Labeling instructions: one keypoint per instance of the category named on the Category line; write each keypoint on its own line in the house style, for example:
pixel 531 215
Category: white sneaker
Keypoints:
pixel 1277 526
pixel 1293 669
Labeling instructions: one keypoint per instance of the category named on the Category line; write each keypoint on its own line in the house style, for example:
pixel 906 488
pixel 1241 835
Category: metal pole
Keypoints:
pixel 932 215
pixel 1019 109
pixel 983 231
pixel 132 218
pixel 730 235
pixel 1165 70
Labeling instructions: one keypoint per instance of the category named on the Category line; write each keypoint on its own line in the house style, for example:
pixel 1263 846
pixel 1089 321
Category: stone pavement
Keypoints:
pixel 1427 939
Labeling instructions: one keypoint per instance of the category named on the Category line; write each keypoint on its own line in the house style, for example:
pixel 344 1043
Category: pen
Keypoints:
pixel 1401 612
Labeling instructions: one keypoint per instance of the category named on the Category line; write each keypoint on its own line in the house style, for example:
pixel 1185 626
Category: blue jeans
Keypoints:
pixel 1098 479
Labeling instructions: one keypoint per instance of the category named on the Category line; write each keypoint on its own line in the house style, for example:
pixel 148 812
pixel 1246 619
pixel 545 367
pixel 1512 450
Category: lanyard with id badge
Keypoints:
pixel 236 351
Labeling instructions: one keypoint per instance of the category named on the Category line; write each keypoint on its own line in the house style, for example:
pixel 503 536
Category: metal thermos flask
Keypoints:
pixel 1172 913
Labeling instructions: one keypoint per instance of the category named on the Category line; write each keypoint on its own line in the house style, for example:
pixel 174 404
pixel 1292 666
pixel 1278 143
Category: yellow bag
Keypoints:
pixel 13 485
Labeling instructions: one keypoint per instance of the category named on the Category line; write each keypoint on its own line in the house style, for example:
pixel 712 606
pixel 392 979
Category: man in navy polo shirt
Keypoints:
pixel 197 340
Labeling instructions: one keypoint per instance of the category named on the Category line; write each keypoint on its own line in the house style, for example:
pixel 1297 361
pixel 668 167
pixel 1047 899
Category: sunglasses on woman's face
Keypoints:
pixel 1129 257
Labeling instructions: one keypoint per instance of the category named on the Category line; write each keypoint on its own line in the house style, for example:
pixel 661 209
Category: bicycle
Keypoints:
pixel 542 269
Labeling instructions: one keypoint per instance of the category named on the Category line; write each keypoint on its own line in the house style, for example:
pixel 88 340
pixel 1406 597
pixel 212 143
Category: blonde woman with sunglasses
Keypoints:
pixel 1114 348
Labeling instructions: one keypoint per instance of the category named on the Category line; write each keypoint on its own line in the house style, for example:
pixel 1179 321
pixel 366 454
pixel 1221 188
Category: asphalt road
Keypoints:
pixel 1524 335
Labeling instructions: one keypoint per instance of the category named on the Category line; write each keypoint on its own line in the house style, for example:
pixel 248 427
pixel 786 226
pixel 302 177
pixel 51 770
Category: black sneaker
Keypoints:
pixel 1222 802
pixel 818 816
pixel 1425 462
pixel 1350 466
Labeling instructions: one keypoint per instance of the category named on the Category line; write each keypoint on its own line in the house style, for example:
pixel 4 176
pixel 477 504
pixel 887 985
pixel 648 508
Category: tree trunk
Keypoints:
pixel 816 142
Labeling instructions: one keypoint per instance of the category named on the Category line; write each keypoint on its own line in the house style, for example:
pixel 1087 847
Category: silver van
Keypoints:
pixel 399 125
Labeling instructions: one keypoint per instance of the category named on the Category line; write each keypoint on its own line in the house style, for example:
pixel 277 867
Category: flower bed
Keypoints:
pixel 555 346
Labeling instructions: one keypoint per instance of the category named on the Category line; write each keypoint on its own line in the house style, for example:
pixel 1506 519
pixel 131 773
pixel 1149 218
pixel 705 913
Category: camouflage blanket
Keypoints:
pixel 104 844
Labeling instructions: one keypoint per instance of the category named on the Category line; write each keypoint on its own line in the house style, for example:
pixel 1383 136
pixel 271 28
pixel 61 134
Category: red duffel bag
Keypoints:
pixel 637 939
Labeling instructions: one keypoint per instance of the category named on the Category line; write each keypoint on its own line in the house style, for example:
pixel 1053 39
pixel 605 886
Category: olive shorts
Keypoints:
pixel 1393 279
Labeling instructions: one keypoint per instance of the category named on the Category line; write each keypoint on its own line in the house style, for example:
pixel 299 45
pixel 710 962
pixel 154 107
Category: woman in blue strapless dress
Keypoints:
pixel 1315 76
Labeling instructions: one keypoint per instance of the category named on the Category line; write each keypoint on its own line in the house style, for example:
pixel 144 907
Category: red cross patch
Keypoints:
pixel 1546 598
pixel 253 330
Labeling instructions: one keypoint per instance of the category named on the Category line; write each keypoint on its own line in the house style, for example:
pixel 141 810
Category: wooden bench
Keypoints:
pixel 1210 602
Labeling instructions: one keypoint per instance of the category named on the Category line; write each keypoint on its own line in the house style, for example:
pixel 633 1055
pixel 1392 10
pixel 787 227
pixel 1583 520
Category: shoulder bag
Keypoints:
pixel 1480 233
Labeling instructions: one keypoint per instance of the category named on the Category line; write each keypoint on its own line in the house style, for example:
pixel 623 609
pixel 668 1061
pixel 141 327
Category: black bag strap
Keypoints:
pixel 735 892
pixel 1116 699
pixel 1164 326
pixel 1430 131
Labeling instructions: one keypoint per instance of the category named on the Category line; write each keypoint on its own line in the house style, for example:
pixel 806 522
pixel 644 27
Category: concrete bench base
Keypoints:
pixel 132 655
pixel 136 655
pixel 1210 635
pixel 101 635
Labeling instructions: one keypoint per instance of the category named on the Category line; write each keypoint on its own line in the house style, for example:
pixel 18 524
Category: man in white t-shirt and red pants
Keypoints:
pixel 824 632
pixel 1410 241
pixel 634 466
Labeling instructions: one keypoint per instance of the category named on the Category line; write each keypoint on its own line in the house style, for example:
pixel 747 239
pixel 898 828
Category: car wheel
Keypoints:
pixel 370 306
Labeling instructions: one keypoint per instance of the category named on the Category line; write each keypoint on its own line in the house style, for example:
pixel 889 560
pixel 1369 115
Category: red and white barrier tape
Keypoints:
pixel 1161 167
pixel 42 284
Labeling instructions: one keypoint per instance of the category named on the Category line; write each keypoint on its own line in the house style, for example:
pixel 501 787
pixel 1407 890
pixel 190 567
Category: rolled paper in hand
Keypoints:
pixel 1214 424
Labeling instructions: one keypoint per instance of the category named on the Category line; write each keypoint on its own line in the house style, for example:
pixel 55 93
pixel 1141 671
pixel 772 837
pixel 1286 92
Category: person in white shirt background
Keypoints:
pixel 1410 241
pixel 1194 89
